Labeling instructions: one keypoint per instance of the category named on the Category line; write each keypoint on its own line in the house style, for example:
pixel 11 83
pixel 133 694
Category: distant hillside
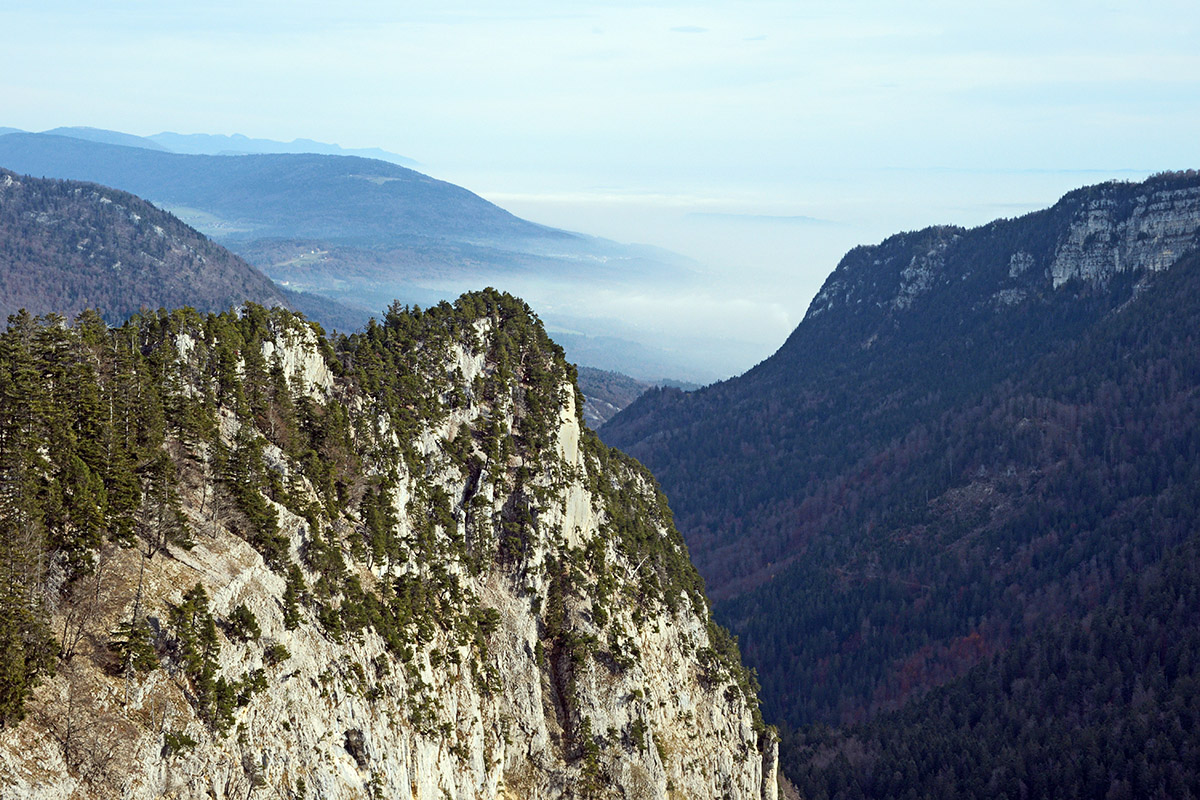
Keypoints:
pixel 67 245
pixel 106 137
pixel 606 393
pixel 352 200
pixel 968 447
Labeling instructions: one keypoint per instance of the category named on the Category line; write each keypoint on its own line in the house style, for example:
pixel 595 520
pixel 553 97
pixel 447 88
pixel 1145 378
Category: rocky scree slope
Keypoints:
pixel 254 561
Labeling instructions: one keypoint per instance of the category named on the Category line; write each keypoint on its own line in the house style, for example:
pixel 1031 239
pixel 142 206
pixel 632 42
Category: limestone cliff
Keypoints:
pixel 406 570
pixel 1091 236
pixel 1112 232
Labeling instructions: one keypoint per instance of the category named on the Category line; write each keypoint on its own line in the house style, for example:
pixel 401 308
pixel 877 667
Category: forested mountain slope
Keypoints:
pixel 1064 562
pixel 237 556
pixel 1101 707
pixel 66 246
pixel 972 436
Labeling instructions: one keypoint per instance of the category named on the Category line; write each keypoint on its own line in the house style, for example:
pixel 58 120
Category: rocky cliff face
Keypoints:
pixel 1092 235
pixel 463 594
pixel 1111 233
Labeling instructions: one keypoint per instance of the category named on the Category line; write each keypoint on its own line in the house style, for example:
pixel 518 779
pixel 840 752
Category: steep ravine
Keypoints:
pixel 464 594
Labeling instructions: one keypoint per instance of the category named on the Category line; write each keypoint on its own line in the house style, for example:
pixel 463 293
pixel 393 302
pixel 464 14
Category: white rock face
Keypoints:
pixel 303 365
pixel 1102 242
pixel 626 699
pixel 921 272
pixel 1099 232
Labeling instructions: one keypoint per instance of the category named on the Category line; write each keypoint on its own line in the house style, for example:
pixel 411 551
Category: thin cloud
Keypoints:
pixel 689 29
pixel 784 219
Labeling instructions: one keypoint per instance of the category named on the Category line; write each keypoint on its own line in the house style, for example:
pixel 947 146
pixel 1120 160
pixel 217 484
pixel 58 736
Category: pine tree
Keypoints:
pixel 163 520
pixel 292 593
pixel 133 642
pixel 26 644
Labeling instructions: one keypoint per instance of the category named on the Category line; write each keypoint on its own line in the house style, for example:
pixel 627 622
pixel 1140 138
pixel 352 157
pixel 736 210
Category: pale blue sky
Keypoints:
pixel 672 123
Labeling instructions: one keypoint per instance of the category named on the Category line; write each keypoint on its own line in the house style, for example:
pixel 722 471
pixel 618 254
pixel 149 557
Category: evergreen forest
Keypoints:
pixel 952 520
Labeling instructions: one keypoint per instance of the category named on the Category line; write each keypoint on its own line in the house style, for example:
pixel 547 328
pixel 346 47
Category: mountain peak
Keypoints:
pixel 390 564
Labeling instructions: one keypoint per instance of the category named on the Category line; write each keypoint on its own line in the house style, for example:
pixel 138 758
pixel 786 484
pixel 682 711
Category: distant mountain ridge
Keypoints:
pixel 972 436
pixel 217 144
pixel 277 195
pixel 364 232
pixel 103 136
pixel 237 144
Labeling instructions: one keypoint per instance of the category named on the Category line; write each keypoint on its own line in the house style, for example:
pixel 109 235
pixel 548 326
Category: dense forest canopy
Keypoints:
pixel 67 246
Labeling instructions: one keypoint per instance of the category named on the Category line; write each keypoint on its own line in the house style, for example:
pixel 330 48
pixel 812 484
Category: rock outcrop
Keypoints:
pixel 1090 235
pixel 464 594
pixel 1111 233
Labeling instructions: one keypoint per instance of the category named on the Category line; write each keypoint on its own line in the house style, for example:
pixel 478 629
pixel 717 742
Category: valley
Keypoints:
pixel 966 481
pixel 614 401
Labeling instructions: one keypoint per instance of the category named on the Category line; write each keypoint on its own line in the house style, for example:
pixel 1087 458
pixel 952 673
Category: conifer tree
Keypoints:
pixel 26 644
pixel 163 522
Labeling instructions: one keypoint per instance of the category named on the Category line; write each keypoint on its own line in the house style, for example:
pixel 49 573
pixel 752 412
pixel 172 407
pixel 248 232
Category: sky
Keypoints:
pixel 761 138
